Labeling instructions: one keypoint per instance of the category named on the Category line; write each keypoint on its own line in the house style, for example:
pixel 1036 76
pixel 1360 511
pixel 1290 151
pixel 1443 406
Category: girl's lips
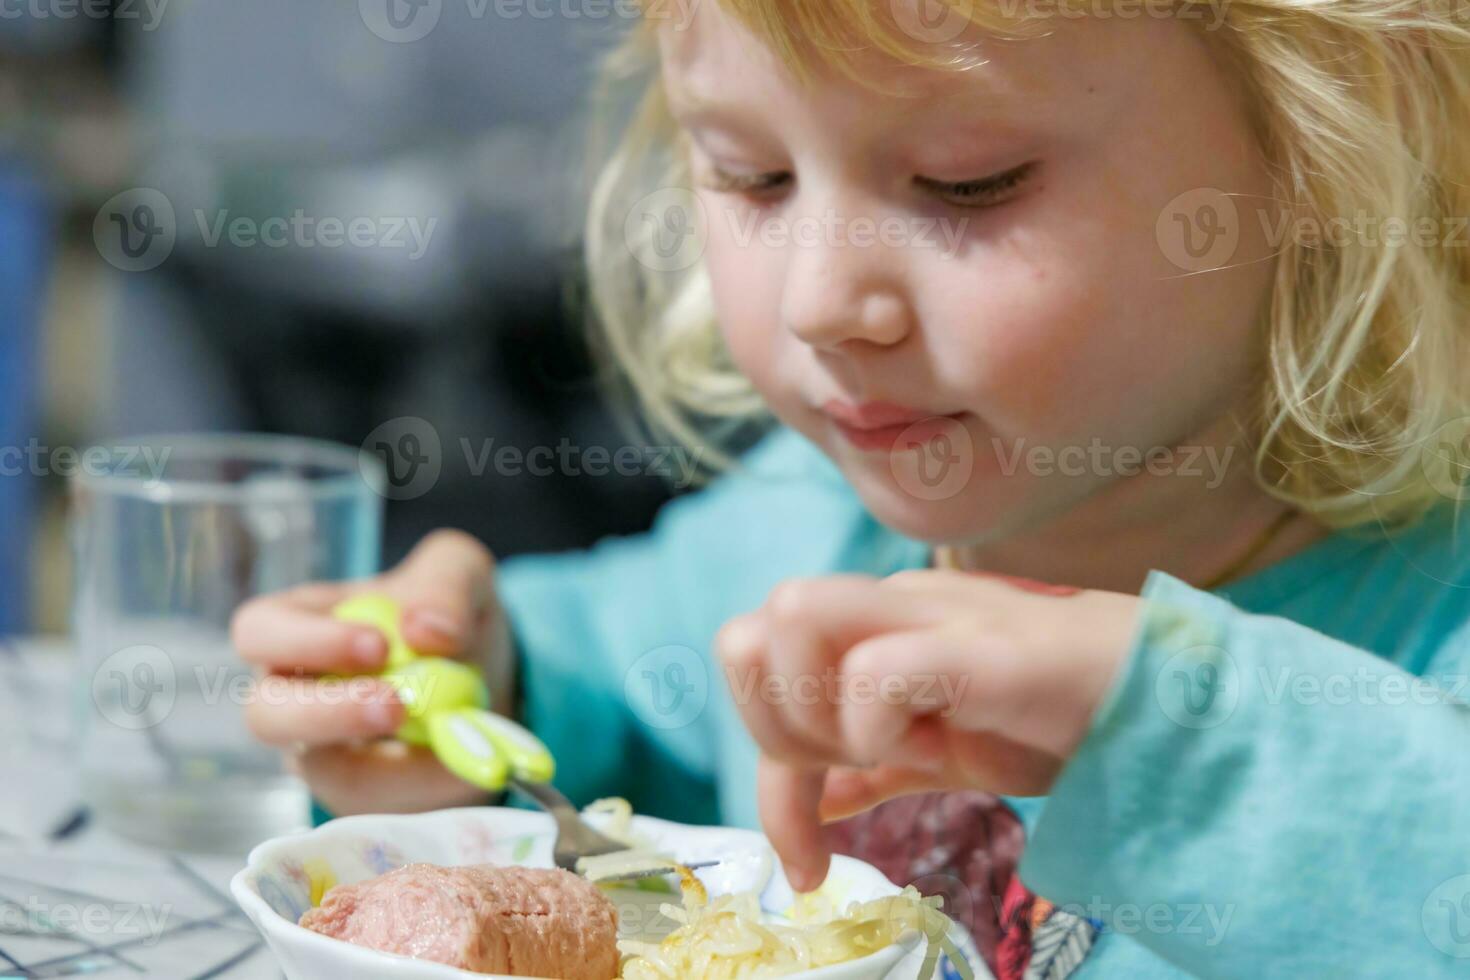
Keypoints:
pixel 874 415
pixel 879 426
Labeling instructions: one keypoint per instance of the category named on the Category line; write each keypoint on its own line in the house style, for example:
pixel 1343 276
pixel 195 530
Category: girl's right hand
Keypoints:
pixel 336 731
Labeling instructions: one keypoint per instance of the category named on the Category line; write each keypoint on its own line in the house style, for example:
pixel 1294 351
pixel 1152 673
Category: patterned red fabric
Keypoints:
pixel 963 846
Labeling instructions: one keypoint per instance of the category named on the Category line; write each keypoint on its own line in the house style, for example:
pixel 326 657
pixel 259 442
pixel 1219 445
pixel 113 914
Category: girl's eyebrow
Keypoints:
pixel 696 113
pixel 955 121
pixel 695 107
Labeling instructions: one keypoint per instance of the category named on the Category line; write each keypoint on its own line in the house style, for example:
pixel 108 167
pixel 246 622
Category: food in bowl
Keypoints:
pixel 514 921
pixel 533 922
pixel 731 938
pixel 286 877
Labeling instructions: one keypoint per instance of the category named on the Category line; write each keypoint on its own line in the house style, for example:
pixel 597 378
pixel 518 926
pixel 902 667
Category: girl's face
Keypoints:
pixel 972 292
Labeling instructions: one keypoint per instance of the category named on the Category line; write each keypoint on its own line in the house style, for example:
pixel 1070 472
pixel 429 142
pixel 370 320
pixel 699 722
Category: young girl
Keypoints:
pixel 1119 356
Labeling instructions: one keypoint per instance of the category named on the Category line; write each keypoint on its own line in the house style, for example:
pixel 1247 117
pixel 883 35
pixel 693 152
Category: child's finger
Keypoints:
pixel 278 633
pixel 382 777
pixel 812 624
pixel 445 587
pixel 789 798
pixel 908 675
pixel 849 791
pixel 286 711
pixel 741 647
pixel 999 711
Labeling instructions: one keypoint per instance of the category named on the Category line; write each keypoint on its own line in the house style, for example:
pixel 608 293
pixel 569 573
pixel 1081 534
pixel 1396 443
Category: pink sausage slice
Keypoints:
pixel 523 922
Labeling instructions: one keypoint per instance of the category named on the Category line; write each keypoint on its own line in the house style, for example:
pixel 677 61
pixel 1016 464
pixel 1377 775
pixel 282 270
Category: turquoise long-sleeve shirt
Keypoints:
pixel 1278 783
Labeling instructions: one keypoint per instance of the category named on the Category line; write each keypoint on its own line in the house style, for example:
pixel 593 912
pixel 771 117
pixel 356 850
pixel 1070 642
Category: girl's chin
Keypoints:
pixel 933 513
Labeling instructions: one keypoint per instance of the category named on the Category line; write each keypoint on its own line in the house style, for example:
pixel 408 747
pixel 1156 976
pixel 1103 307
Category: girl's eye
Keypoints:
pixel 754 185
pixel 982 192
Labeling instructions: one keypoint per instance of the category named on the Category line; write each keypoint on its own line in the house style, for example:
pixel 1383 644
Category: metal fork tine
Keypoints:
pixel 575 839
pixel 653 872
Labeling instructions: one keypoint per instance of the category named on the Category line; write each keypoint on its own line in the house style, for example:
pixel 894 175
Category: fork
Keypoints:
pixel 576 839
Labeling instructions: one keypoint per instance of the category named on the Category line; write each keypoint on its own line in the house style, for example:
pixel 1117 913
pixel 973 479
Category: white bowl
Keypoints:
pixel 275 886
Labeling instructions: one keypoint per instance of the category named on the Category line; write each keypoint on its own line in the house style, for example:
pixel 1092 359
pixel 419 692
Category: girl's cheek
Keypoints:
pixel 746 290
pixel 1007 332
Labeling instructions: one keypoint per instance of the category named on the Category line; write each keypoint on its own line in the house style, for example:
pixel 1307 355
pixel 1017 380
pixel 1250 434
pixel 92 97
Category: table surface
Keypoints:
pixel 76 899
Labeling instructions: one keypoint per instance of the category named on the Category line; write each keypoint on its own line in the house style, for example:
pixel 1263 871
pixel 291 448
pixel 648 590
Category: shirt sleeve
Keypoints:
pixel 611 675
pixel 1255 798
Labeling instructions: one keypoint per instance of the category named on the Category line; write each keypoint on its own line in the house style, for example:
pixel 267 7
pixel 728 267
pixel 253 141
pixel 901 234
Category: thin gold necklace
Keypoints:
pixel 945 556
pixel 1262 542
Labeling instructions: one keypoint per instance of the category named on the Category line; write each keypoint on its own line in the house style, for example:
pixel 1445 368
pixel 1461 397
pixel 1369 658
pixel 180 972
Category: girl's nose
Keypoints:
pixel 839 292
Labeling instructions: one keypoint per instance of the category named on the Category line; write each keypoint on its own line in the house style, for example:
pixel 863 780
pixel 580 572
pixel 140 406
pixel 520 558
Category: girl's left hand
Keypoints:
pixel 859 689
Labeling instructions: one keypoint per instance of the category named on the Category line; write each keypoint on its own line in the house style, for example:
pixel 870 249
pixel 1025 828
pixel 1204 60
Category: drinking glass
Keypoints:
pixel 170 535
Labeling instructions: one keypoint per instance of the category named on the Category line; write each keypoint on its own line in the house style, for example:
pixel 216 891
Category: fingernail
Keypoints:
pixel 369 647
pixel 446 626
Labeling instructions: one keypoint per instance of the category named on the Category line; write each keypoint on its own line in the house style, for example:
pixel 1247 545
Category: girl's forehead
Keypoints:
pixel 865 39
pixel 715 60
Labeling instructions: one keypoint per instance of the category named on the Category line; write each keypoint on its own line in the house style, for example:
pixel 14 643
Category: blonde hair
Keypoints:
pixel 1358 106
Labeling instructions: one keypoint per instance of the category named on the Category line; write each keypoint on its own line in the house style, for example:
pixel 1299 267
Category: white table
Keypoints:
pixel 76 899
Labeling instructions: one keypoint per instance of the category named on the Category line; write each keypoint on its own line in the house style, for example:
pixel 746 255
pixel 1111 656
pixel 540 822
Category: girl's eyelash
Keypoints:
pixel 969 193
pixel 983 190
pixel 728 183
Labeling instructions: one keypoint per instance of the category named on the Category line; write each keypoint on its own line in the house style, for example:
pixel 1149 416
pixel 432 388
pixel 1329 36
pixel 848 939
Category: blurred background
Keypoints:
pixel 350 219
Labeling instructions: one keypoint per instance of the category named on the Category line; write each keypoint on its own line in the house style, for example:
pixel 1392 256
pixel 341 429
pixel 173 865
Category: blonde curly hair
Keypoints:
pixel 1359 108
